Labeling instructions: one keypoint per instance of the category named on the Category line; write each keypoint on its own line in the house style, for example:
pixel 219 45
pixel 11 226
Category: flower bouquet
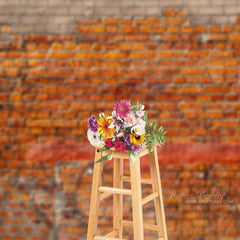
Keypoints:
pixel 127 130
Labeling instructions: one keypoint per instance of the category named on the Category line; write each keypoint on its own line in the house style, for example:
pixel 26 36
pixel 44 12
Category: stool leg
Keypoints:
pixel 136 199
pixel 117 198
pixel 156 185
pixel 94 205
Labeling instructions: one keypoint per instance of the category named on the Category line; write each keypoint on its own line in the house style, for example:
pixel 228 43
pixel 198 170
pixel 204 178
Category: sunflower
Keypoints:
pixel 137 139
pixel 103 129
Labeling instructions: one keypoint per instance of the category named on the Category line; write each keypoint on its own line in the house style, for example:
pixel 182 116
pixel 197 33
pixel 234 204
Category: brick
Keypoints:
pixel 192 71
pixel 173 21
pixel 38 123
pixel 7 63
pixel 87 55
pixel 225 123
pixel 114 55
pixel 228 29
pixel 214 29
pixel 210 10
pixel 170 12
pixel 59 72
pixel 39 55
pixel 33 63
pixel 195 54
pixel 110 21
pixel 138 37
pixel 185 174
pixel 200 131
pixel 194 106
pixel 147 21
pixel 129 29
pixel 200 29
pixel 57 46
pixel 221 54
pixel 235 37
pixel 217 89
pixel 98 29
pixel 70 46
pixel 186 29
pixel 221 71
pixel 141 55
pixel 139 46
pixel 111 29
pixel 197 3
pixel 160 29
pixel 15 97
pixel 146 29
pixel 217 37
pixel 61 55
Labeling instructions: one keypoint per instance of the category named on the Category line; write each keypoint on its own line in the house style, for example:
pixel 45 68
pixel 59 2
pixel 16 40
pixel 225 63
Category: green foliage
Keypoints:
pixel 145 118
pixel 160 136
pixel 132 156
pixel 104 148
pixel 154 135
pixel 106 157
pixel 135 108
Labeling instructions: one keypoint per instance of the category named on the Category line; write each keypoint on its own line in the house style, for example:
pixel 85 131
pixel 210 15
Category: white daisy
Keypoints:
pixel 94 138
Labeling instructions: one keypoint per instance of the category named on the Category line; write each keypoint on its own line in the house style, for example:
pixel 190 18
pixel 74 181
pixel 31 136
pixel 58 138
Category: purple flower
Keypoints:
pixel 126 148
pixel 136 148
pixel 127 140
pixel 92 123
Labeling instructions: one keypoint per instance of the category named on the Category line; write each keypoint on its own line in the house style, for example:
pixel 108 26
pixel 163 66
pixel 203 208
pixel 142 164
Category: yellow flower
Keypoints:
pixel 137 139
pixel 103 128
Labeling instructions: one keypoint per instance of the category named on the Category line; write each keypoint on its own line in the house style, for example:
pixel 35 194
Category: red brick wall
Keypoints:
pixel 186 75
pixel 58 16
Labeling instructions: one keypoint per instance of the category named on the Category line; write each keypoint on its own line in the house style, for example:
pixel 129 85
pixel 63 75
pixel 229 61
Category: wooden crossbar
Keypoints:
pixel 145 225
pixel 105 195
pixel 143 180
pixel 115 190
pixel 149 198
pixel 107 238
pixel 111 234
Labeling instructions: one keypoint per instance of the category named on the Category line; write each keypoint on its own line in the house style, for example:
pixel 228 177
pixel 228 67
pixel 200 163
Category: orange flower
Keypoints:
pixel 104 129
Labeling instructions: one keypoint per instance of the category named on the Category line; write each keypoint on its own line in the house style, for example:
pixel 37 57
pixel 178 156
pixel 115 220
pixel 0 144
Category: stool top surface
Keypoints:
pixel 124 155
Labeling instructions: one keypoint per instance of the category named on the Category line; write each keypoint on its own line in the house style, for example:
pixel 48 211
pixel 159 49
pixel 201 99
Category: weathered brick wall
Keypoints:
pixel 58 16
pixel 186 74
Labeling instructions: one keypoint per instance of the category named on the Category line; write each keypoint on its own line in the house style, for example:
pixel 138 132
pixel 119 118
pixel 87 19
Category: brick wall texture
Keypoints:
pixel 58 16
pixel 61 61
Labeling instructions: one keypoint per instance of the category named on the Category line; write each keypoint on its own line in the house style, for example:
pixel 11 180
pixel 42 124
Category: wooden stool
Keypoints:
pixel 100 192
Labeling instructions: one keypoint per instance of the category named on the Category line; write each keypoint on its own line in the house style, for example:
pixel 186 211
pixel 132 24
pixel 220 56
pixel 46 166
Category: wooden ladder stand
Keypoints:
pixel 100 192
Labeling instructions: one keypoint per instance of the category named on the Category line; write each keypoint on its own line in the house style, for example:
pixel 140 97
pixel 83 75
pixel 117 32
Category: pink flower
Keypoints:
pixel 120 147
pixel 109 143
pixel 140 113
pixel 141 122
pixel 122 108
pixel 130 120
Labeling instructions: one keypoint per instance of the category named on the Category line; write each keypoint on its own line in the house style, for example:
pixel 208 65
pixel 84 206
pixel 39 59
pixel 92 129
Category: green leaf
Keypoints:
pixel 104 148
pixel 151 124
pixel 132 156
pixel 145 118
pixel 106 157
pixel 138 105
pixel 155 127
